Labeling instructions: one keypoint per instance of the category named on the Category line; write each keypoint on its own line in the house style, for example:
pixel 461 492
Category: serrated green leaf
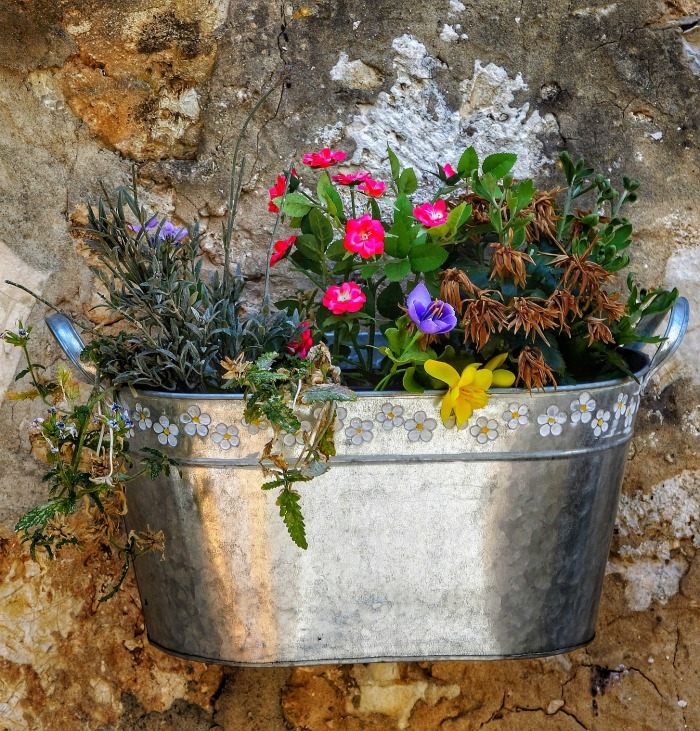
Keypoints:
pixel 290 512
pixel 468 162
pixel 396 271
pixel 427 257
pixel 499 164
pixel 321 227
pixel 295 204
pixel 407 182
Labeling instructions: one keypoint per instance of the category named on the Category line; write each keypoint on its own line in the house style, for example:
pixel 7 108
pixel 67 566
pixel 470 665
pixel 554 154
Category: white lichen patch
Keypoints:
pixel 448 34
pixel 649 579
pixel 456 7
pixel 601 11
pixel 177 113
pixel 414 118
pixel 383 691
pixel 653 567
pixel 690 44
pixel 355 74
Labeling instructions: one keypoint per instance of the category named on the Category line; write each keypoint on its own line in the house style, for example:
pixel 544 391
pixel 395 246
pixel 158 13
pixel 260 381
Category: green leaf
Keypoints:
pixel 427 257
pixel 309 246
pixel 336 251
pixel 390 300
pixel 407 182
pixel 394 163
pixel 499 164
pixel 410 383
pixel 290 512
pixel 328 392
pixel 41 514
pixel 524 194
pixel 395 271
pixel 320 225
pixel 369 270
pixel 295 204
pixel 468 163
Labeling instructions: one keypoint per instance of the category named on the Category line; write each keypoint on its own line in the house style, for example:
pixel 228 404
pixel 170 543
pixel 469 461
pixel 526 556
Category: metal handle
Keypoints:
pixel 675 330
pixel 71 342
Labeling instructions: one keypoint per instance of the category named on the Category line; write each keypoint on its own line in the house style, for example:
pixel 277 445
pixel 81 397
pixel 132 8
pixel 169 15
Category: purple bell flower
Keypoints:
pixel 433 316
pixel 167 231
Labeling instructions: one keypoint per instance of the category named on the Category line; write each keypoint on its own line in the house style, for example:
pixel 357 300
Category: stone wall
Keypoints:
pixel 88 88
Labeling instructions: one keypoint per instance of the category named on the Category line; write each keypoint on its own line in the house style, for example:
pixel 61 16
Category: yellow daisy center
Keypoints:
pixel 514 414
pixel 484 430
pixel 419 427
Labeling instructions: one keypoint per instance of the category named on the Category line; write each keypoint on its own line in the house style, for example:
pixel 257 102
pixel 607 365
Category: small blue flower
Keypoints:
pixel 22 332
pixel 128 423
pixel 112 424
pixel 61 424
pixel 51 409
pixel 115 407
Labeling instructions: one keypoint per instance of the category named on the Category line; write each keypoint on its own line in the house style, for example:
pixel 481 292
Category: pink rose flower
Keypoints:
pixel 372 188
pixel 277 191
pixel 449 170
pixel 324 159
pixel 280 249
pixel 431 215
pixel 364 236
pixel 348 179
pixel 347 297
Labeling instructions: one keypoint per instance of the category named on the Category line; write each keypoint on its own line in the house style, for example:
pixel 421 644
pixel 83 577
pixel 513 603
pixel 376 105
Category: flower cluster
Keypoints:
pixel 485 266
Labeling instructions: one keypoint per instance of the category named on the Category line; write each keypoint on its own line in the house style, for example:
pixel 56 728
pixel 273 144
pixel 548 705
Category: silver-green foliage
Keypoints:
pixel 183 320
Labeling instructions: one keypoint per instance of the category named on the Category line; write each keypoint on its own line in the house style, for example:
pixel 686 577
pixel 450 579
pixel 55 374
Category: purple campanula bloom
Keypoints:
pixel 167 230
pixel 433 316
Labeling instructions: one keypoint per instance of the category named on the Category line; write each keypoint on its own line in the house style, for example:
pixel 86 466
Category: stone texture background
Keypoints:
pixel 88 88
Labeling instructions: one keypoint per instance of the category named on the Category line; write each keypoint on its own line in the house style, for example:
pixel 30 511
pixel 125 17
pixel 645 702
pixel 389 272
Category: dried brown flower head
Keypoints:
pixel 533 318
pixel 235 369
pixel 483 316
pixel 610 306
pixel 565 304
pixel 544 223
pixel 480 207
pixel 509 263
pixel 598 330
pixel 453 282
pixel 533 371
pixel 149 540
pixel 584 275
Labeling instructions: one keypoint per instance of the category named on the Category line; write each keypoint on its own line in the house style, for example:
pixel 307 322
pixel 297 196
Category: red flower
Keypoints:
pixel 302 346
pixel 449 170
pixel 277 191
pixel 364 236
pixel 372 188
pixel 344 179
pixel 280 249
pixel 431 215
pixel 324 159
pixel 347 297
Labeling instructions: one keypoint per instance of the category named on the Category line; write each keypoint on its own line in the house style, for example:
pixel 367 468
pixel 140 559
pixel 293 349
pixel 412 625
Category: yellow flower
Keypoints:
pixel 468 391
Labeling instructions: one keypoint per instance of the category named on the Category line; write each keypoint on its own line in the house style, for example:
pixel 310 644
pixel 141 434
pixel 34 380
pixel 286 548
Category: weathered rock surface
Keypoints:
pixel 88 88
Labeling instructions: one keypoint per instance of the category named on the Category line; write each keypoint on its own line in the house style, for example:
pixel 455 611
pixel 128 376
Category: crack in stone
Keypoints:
pixel 648 679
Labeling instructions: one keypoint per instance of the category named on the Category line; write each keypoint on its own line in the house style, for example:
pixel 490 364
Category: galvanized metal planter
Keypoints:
pixel 425 542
